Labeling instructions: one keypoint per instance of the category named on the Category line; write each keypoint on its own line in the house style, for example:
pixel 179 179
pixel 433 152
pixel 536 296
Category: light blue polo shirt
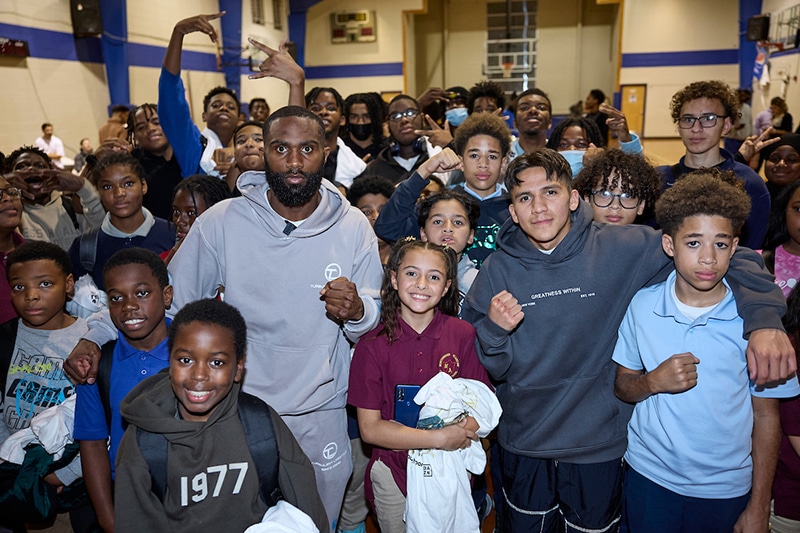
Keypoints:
pixel 696 443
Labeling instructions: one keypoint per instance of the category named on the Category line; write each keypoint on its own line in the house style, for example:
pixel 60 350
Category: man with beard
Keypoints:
pixel 304 244
pixel 302 266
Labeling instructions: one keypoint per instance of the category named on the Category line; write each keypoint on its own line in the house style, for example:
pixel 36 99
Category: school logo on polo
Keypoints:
pixel 449 364
pixel 333 271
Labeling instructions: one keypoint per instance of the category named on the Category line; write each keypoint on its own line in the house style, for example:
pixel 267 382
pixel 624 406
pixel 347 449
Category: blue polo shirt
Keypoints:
pixel 129 368
pixel 697 442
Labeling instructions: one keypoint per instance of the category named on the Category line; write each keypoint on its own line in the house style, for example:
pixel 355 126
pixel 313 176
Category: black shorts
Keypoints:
pixel 552 496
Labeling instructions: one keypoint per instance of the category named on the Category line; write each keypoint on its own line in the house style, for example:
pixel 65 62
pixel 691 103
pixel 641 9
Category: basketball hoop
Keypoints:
pixel 507 66
pixel 768 45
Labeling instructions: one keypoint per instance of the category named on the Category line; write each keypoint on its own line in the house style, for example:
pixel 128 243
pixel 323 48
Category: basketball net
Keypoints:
pixel 507 66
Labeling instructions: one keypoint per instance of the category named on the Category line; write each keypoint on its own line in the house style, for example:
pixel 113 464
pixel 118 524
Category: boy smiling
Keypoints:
pixel 691 465
pixel 192 409
pixel 139 293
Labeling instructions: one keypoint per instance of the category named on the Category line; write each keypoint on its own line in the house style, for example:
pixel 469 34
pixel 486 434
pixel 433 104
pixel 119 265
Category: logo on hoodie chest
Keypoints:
pixel 331 272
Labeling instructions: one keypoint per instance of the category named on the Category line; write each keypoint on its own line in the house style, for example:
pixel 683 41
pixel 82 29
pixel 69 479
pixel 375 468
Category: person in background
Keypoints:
pixel 154 152
pixel 363 129
pixel 51 145
pixel 342 164
pixel 259 110
pixel 10 240
pixel 592 111
pixel 49 213
pixel 80 158
pixel 116 125
pixel 782 121
pixel 743 126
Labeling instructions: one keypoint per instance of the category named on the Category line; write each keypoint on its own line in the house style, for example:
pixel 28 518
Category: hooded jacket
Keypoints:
pixel 555 373
pixel 298 358
pixel 208 485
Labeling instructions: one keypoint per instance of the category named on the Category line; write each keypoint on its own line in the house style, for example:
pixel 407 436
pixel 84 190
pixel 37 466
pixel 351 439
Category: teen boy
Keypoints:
pixel 481 144
pixel 32 353
pixel 693 465
pixel 137 284
pixel 193 408
pixel 563 431
pixel 122 186
pixel 220 106
pixel 342 165
pixel 704 112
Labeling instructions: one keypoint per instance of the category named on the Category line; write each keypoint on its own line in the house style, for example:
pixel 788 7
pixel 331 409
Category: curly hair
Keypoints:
pixel 614 168
pixel 139 256
pixel 375 108
pixel 555 166
pixel 711 192
pixel 212 190
pixel 38 250
pixel 212 311
pixel 486 88
pixel 220 90
pixel 117 158
pixel 390 300
pixel 149 110
pixel 470 204
pixel 373 184
pixel 777 232
pixel 12 158
pixel 482 124
pixel 713 90
pixel 589 127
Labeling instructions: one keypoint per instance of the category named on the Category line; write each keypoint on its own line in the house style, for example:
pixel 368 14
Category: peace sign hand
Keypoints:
pixel 437 136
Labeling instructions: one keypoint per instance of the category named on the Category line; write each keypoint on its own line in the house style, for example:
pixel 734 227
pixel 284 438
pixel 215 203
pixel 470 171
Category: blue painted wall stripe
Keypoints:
pixel 681 59
pixel 47 44
pixel 354 71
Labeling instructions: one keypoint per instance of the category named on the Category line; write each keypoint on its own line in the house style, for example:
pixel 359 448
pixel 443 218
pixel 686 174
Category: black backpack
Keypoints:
pixel 261 441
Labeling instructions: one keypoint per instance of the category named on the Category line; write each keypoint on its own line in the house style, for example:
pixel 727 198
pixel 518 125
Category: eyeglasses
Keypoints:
pixel 709 120
pixel 606 198
pixel 409 113
pixel 12 192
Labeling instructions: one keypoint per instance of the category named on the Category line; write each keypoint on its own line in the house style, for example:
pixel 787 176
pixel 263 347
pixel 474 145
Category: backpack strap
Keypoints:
pixel 103 379
pixel 261 441
pixel 66 201
pixel 153 447
pixel 88 248
pixel 8 339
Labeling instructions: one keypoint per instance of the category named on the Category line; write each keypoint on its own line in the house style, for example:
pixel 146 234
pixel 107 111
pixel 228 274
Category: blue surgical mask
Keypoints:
pixel 575 160
pixel 456 116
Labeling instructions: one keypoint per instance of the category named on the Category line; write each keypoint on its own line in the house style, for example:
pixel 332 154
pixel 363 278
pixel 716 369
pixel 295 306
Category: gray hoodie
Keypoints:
pixel 298 358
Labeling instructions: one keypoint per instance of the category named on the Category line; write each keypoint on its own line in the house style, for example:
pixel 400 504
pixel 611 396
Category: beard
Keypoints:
pixel 294 195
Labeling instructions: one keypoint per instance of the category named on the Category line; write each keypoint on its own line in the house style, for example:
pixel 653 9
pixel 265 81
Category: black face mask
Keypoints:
pixel 361 132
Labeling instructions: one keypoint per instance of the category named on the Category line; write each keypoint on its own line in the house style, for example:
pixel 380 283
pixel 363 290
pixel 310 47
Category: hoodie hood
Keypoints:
pixel 332 207
pixel 152 406
pixel 515 243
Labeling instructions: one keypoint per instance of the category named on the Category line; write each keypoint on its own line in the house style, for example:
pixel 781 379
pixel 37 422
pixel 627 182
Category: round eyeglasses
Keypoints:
pixel 606 198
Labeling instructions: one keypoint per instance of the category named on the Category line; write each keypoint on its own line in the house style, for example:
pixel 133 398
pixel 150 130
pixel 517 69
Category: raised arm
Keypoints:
pixel 280 64
pixel 198 23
